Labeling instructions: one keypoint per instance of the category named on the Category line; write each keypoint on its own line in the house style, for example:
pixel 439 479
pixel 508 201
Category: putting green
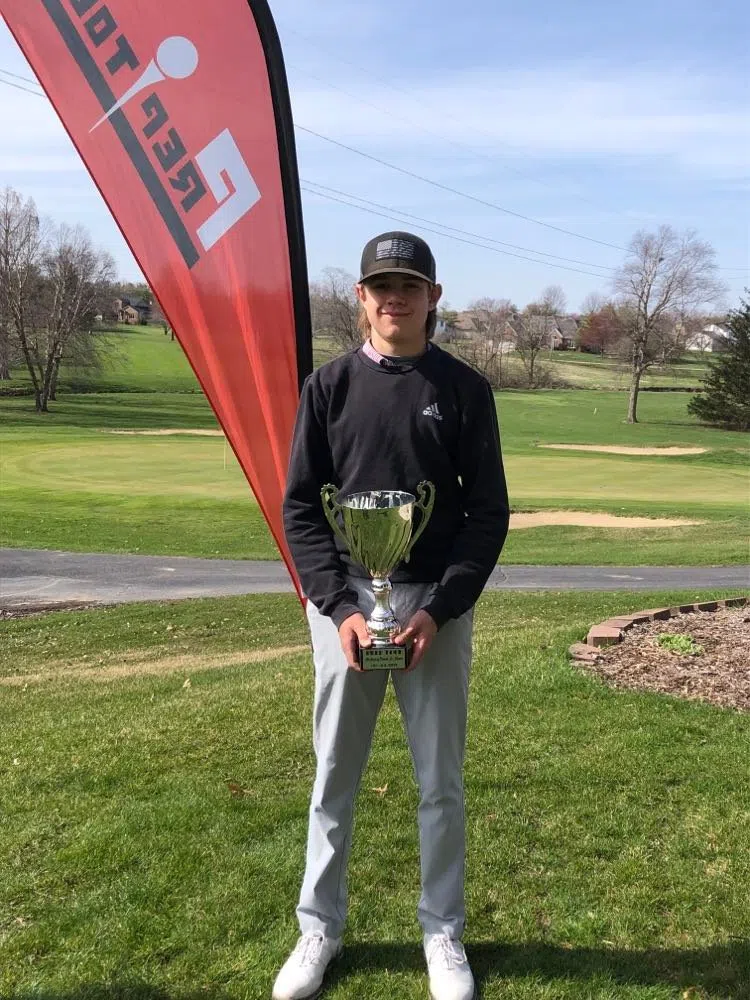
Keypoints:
pixel 613 478
pixel 169 466
pixel 205 467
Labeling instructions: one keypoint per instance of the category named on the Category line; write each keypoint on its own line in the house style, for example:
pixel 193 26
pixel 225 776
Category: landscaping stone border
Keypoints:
pixel 612 630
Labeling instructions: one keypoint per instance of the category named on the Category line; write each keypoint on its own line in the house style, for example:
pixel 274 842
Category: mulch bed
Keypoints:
pixel 720 674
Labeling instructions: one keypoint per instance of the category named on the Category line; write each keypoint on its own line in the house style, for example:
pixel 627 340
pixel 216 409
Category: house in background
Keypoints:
pixel 560 332
pixel 565 333
pixel 133 313
pixel 712 338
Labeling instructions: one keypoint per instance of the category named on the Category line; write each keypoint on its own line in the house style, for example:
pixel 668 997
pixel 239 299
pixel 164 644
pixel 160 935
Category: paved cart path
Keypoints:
pixel 48 577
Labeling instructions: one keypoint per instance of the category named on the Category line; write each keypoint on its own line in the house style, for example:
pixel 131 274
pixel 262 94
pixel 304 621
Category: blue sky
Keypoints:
pixel 591 118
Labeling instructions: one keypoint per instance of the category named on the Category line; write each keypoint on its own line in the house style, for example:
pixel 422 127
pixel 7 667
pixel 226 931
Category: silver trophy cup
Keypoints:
pixel 377 528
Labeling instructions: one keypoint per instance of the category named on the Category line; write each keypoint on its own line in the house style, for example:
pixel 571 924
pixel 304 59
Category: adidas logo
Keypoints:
pixel 432 411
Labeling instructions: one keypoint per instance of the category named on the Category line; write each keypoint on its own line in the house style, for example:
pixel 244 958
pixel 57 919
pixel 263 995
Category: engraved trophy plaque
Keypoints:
pixel 377 528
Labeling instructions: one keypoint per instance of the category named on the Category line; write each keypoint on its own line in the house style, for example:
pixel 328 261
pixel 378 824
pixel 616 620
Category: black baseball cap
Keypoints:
pixel 399 252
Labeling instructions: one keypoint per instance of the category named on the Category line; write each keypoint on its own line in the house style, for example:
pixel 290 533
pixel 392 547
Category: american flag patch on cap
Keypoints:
pixel 401 249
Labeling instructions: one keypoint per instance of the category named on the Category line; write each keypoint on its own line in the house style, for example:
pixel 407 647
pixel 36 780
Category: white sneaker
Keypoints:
pixel 301 976
pixel 448 967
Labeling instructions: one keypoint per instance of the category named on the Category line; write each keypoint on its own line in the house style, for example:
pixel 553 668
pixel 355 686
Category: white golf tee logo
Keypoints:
pixel 227 175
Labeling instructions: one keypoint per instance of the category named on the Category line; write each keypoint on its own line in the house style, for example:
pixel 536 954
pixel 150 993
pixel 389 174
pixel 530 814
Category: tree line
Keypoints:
pixel 52 283
pixel 58 291
pixel 662 295
pixel 55 285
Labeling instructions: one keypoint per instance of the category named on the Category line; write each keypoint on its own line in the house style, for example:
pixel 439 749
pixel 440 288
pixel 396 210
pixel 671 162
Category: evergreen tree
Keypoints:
pixel 725 398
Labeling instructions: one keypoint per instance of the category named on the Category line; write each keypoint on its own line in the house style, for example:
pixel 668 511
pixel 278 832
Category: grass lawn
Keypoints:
pixel 139 359
pixel 156 764
pixel 589 371
pixel 143 359
pixel 134 359
pixel 68 483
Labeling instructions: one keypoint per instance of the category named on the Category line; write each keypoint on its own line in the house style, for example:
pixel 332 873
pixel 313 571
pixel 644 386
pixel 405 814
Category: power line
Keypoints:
pixel 40 93
pixel 411 96
pixel 463 232
pixel 462 194
pixel 453 142
pixel 424 104
pixel 18 86
pixel 17 76
pixel 418 177
pixel 449 236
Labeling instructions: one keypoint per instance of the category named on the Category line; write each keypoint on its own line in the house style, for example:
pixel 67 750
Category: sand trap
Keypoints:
pixel 617 449
pixel 202 432
pixel 584 519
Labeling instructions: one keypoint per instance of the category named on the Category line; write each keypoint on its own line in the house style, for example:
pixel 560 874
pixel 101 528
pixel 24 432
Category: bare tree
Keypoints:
pixel 535 330
pixel 335 308
pixel 448 316
pixel 533 334
pixel 593 303
pixel 73 281
pixel 490 339
pixel 22 238
pixel 665 280
pixel 553 301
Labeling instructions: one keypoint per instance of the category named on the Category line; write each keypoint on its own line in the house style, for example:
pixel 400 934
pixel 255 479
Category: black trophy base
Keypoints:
pixel 385 656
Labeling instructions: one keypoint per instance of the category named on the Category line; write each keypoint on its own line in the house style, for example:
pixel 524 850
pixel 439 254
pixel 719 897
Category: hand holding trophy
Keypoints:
pixel 377 528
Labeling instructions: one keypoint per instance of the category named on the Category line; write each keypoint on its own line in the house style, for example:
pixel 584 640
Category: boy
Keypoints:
pixel 384 417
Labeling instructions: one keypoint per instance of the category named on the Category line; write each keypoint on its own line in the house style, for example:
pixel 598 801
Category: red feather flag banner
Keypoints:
pixel 180 111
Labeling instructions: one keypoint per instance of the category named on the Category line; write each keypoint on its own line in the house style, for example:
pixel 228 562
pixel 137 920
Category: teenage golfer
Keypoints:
pixel 385 417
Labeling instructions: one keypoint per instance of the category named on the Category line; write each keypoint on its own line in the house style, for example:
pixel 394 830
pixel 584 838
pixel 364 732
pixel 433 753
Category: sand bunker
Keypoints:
pixel 617 449
pixel 584 519
pixel 202 432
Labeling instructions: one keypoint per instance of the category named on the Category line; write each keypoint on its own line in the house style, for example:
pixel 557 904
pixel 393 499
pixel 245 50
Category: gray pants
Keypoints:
pixel 433 703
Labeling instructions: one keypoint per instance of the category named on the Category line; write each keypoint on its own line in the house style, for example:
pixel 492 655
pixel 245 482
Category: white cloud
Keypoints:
pixel 570 111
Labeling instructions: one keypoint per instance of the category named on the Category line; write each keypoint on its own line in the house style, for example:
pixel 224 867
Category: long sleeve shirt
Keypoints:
pixel 363 426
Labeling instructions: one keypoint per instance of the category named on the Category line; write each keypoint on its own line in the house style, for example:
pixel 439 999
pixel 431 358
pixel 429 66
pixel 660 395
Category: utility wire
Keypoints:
pixel 462 194
pixel 17 76
pixel 473 150
pixel 463 232
pixel 458 239
pixel 411 96
pixel 18 86
pixel 40 93
pixel 431 108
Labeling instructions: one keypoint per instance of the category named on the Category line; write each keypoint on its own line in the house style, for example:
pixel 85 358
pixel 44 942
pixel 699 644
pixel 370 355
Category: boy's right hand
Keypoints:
pixel 353 634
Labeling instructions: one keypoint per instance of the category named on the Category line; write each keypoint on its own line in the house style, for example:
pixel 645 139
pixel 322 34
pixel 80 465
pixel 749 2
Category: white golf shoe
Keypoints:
pixel 301 976
pixel 448 968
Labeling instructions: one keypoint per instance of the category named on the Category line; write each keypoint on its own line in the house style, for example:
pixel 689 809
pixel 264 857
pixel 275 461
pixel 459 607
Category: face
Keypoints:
pixel 397 306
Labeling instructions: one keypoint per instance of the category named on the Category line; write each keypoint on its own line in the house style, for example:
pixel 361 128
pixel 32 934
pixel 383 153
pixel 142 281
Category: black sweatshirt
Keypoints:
pixel 364 426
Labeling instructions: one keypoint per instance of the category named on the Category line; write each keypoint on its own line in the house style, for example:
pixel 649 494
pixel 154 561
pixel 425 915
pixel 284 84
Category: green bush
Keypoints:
pixel 725 399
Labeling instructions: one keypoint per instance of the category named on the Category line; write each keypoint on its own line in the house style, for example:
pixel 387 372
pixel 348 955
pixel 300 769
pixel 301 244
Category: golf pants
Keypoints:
pixel 433 702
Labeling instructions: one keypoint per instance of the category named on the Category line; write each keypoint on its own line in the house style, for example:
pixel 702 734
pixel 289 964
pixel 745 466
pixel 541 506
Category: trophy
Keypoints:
pixel 377 529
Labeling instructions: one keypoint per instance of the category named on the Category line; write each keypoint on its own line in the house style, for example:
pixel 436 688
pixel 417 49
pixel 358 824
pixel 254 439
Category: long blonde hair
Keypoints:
pixel 365 328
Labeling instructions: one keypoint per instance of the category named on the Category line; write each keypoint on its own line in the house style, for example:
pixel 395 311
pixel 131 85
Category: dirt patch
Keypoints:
pixel 617 449
pixel 585 519
pixel 719 673
pixel 23 610
pixel 135 665
pixel 196 432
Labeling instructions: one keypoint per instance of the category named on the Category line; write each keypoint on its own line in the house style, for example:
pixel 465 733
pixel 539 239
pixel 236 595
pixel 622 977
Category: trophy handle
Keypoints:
pixel 330 508
pixel 425 503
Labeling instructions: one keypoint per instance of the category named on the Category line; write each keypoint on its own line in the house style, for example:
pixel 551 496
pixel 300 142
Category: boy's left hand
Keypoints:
pixel 420 631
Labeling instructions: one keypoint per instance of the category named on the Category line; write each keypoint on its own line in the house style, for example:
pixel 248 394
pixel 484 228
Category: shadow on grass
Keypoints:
pixel 119 991
pixel 721 969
